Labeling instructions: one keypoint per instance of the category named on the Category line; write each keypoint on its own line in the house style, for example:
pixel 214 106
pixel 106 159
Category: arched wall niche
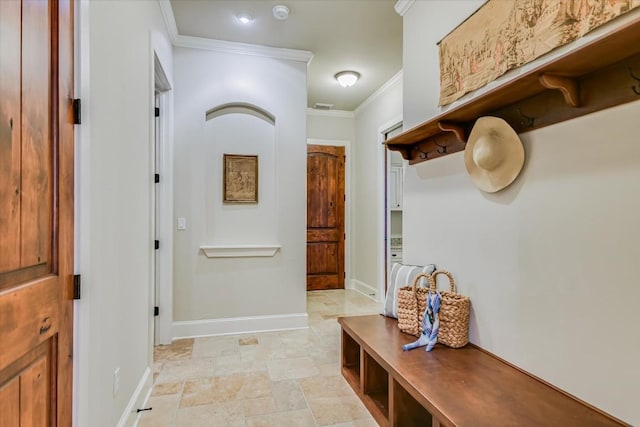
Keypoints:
pixel 241 108
pixel 247 229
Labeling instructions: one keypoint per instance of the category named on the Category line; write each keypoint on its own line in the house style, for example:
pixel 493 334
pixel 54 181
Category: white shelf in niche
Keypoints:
pixel 239 251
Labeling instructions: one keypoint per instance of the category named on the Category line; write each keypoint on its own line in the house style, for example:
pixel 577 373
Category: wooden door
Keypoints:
pixel 36 212
pixel 325 217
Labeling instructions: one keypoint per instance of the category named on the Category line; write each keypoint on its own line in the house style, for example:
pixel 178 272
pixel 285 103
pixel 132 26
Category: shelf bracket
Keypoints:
pixel 635 88
pixel 405 151
pixel 569 87
pixel 458 130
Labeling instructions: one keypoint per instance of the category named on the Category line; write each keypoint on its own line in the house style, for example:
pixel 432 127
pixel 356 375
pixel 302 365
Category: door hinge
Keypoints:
pixel 344 274
pixel 157 112
pixel 156 178
pixel 345 236
pixel 156 311
pixel 345 198
pixel 76 286
pixel 77 108
pixel 156 244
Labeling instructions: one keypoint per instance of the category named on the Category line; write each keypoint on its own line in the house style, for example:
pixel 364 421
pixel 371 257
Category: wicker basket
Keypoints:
pixel 412 302
pixel 454 313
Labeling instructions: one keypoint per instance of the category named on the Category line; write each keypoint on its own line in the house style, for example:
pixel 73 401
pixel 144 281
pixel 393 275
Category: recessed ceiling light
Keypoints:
pixel 244 18
pixel 347 78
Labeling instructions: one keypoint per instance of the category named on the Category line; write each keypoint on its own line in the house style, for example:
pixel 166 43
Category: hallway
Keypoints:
pixel 288 378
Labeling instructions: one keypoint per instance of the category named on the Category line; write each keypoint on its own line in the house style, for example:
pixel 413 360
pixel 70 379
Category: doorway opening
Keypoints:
pixel 162 306
pixel 393 190
pixel 326 199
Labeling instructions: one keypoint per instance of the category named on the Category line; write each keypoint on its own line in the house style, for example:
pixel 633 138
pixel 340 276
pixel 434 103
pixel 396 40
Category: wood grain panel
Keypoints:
pixel 14 370
pixel 37 147
pixel 323 281
pixel 10 403
pixel 34 394
pixel 322 193
pixel 29 404
pixel 323 235
pixel 64 367
pixel 322 258
pixel 11 278
pixel 29 316
pixel 10 126
pixel 314 183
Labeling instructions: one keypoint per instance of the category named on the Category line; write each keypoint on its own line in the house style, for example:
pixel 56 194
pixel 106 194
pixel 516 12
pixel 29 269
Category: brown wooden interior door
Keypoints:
pixel 325 217
pixel 36 212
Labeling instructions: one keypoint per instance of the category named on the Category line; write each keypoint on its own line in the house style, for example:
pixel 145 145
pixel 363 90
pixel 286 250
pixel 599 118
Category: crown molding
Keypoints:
pixel 243 48
pixel 402 6
pixel 330 113
pixel 225 46
pixel 393 81
pixel 169 19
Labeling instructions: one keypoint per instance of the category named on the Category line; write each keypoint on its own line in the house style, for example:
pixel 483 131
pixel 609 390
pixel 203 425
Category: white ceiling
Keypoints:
pixel 360 35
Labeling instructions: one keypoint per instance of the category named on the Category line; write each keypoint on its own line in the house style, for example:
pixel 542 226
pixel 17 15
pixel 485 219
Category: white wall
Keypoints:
pixel 114 199
pixel 330 125
pixel 550 263
pixel 368 225
pixel 213 289
pixel 419 51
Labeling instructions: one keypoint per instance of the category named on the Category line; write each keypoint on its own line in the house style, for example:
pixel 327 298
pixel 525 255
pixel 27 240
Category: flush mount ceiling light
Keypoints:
pixel 280 12
pixel 347 78
pixel 244 18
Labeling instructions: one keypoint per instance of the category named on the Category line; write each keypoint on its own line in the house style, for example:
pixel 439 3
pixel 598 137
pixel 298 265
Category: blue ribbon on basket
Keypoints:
pixel 430 324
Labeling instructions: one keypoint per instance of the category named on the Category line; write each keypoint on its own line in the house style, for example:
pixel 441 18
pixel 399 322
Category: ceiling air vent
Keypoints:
pixel 322 106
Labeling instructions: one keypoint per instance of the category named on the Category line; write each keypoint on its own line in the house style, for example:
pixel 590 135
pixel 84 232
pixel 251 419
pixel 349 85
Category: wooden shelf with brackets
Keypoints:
pixel 600 74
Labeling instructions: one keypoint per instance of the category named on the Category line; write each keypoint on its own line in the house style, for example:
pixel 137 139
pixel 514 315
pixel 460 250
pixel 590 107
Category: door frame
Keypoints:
pixel 162 212
pixel 348 283
pixel 382 189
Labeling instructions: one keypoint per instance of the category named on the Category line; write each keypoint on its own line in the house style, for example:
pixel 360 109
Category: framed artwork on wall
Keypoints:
pixel 240 179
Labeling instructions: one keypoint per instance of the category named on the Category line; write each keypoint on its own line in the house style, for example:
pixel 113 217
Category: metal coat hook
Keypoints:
pixel 424 155
pixel 529 120
pixel 442 149
pixel 635 88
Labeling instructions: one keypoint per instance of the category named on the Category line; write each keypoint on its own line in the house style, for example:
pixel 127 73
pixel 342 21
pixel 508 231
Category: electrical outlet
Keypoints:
pixel 116 382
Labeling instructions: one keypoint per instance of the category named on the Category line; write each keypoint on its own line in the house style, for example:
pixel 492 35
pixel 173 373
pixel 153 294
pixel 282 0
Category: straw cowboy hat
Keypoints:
pixel 494 154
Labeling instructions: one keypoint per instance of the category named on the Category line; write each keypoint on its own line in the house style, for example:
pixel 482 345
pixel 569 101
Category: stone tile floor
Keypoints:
pixel 274 379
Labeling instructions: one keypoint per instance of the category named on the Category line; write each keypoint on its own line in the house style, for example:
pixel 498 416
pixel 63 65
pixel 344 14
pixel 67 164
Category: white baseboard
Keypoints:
pixel 129 417
pixel 348 284
pixel 365 289
pixel 144 405
pixel 239 325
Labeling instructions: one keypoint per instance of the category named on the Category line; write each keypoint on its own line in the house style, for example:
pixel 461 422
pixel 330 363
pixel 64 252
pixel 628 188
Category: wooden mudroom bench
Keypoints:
pixel 448 387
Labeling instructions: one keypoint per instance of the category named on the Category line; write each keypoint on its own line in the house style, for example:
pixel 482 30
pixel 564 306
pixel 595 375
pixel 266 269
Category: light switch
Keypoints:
pixel 182 223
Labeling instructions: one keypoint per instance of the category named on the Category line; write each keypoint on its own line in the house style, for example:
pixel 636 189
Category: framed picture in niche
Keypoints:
pixel 240 178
